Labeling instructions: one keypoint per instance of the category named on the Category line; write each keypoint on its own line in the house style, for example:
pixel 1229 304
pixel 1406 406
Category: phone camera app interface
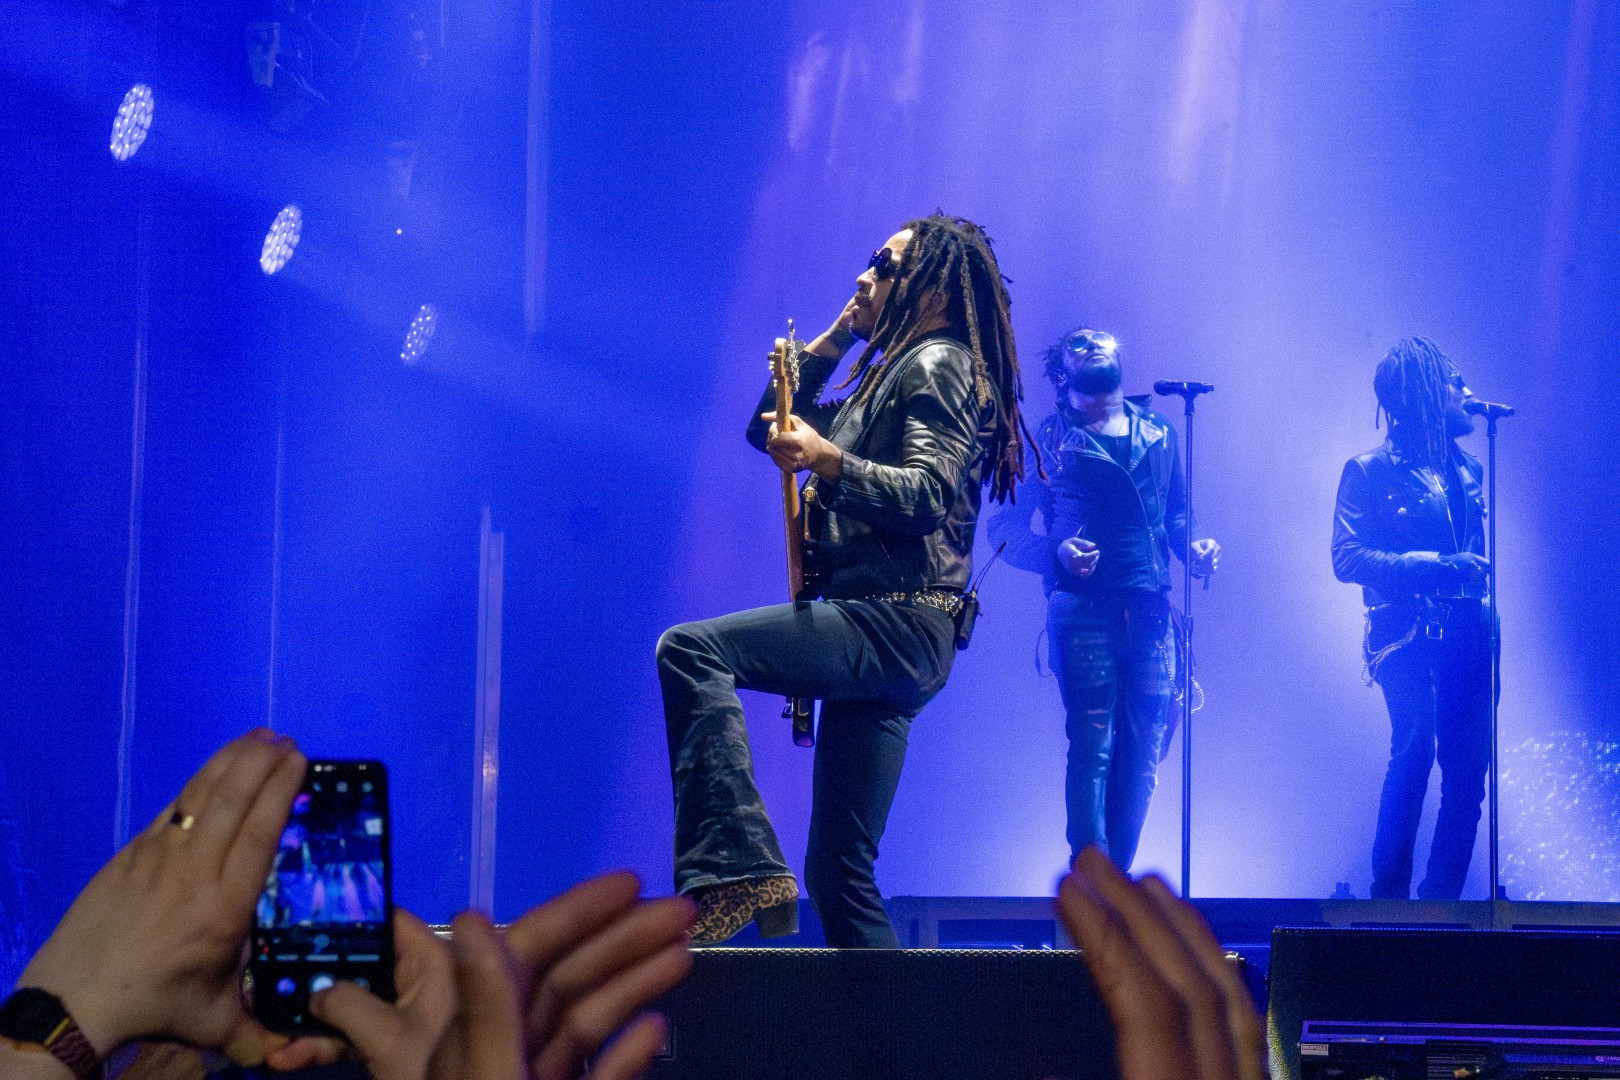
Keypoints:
pixel 329 867
pixel 324 910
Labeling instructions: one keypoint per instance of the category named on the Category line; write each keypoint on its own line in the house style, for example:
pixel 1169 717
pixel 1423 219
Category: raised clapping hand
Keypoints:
pixel 592 959
pixel 154 947
pixel 1179 1008
pixel 537 1003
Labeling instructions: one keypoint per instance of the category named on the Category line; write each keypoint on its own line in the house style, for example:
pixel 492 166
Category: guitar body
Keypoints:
pixel 784 374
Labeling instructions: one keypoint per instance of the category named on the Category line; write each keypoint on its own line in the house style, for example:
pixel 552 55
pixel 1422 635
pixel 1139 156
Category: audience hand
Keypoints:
pixel 537 1003
pixel 155 945
pixel 397 1040
pixel 1179 1008
pixel 595 957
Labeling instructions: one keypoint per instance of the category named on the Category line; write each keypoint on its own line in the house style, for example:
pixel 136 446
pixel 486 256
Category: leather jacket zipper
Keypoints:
pixel 1086 450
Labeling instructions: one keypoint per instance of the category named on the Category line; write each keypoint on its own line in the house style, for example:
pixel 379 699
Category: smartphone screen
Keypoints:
pixel 326 913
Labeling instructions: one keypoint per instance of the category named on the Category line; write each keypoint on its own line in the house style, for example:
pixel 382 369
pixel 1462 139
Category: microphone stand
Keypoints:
pixel 1492 412
pixel 1492 415
pixel 1189 393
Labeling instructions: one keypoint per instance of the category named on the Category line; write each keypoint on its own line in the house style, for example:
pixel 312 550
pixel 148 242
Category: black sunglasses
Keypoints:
pixel 883 265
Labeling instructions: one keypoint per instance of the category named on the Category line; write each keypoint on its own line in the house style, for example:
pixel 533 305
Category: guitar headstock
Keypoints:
pixel 785 360
pixel 791 360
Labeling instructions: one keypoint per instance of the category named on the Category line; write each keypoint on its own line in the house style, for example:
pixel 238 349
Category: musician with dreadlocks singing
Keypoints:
pixel 897 470
pixel 1409 529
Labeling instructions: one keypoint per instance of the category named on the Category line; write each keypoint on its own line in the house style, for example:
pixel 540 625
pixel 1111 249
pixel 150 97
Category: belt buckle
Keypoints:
pixel 1434 631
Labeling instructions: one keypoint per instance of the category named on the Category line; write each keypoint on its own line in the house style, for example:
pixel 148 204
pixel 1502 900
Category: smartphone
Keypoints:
pixel 327 910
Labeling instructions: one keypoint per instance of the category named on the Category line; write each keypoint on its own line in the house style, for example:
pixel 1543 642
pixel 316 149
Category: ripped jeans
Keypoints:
pixel 1113 657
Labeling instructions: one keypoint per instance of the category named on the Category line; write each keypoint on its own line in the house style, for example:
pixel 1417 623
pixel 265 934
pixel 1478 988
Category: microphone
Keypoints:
pixel 1170 388
pixel 1488 409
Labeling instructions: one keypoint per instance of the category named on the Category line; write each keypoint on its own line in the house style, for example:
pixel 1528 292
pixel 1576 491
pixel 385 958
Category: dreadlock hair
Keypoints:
pixel 1412 384
pixel 949 269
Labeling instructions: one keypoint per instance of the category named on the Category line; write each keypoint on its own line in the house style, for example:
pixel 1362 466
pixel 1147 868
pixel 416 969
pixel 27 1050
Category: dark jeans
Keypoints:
pixel 873 666
pixel 1438 693
pixel 1112 657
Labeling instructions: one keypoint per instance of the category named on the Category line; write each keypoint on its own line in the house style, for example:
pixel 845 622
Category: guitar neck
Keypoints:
pixel 784 398
pixel 791 517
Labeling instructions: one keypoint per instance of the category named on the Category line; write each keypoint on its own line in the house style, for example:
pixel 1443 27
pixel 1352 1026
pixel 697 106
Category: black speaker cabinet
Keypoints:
pixel 1403 976
pixel 907 1014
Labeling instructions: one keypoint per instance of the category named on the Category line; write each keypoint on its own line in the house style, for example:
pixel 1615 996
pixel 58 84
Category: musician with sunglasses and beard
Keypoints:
pixel 1113 507
pixel 897 475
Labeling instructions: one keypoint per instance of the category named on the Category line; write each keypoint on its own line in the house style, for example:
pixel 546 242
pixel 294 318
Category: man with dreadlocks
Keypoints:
pixel 1113 508
pixel 1409 529
pixel 893 499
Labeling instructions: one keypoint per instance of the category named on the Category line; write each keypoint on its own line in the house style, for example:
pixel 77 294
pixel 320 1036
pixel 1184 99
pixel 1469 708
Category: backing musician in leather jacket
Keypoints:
pixel 1114 507
pixel 1140 508
pixel 898 471
pixel 1409 529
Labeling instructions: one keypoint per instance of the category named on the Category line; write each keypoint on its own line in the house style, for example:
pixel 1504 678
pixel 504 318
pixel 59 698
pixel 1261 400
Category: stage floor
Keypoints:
pixel 1027 922
pixel 1242 924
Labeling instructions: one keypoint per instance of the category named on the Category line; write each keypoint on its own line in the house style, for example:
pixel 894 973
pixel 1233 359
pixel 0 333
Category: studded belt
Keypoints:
pixel 948 602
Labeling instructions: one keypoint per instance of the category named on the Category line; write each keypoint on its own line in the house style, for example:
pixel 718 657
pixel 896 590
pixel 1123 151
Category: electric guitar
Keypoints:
pixel 785 378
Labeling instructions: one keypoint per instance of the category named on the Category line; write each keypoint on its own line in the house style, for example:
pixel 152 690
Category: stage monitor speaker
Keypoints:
pixel 903 1014
pixel 1403 976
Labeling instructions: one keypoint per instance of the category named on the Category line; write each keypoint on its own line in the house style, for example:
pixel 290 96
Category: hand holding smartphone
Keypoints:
pixel 326 913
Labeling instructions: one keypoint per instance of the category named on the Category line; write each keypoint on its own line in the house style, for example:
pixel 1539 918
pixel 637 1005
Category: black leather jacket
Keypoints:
pixel 901 516
pixel 1145 506
pixel 1392 527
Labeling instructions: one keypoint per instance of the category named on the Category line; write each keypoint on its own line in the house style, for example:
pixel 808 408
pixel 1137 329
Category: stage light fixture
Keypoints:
pixel 420 334
pixel 133 121
pixel 282 238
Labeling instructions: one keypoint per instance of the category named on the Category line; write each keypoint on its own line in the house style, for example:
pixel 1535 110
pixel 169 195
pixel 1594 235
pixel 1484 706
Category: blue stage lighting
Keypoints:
pixel 282 238
pixel 420 333
pixel 133 121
